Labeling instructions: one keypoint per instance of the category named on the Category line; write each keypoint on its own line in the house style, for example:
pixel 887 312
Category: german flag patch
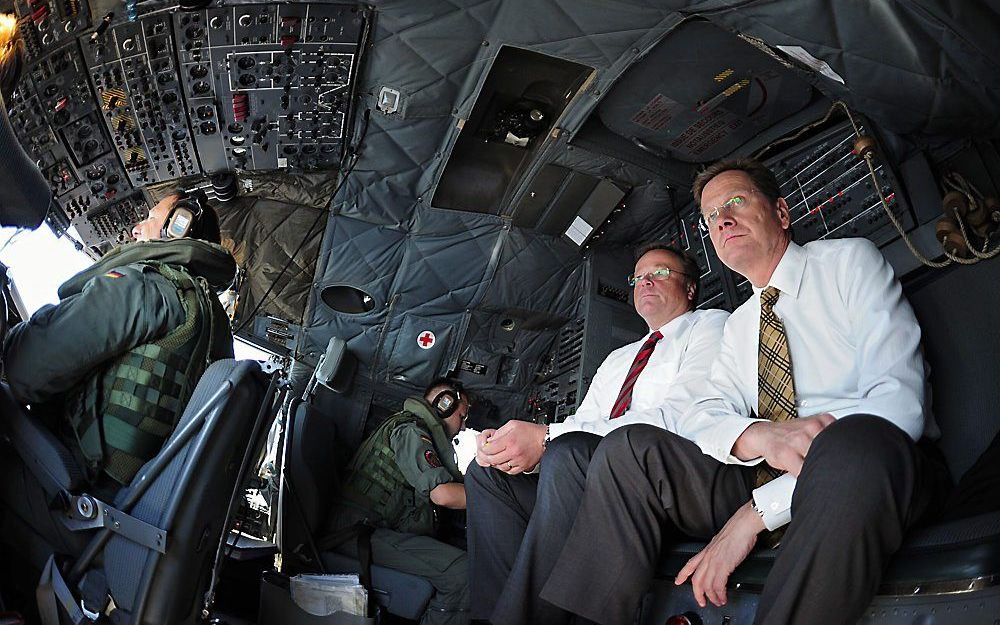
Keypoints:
pixel 114 274
pixel 432 458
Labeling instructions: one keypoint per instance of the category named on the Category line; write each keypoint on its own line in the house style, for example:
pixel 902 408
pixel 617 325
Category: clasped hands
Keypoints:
pixel 514 448
pixel 783 445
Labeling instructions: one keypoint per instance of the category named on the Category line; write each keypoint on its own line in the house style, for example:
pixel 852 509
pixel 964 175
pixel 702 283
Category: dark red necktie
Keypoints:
pixel 625 396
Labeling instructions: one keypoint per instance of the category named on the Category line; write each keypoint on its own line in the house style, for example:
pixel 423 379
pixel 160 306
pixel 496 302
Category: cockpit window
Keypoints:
pixel 38 263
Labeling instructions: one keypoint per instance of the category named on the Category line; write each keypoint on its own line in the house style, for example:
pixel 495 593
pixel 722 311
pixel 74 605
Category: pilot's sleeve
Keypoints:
pixel 417 459
pixel 61 344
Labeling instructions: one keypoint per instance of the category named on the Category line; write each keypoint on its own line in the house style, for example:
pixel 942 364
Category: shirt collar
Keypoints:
pixel 673 326
pixel 787 276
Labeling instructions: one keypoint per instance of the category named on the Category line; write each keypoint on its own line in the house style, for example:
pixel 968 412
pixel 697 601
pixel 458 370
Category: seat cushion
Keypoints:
pixel 401 594
pixel 964 549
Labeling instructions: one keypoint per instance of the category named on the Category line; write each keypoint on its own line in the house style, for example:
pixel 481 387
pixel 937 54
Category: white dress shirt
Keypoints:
pixel 855 348
pixel 689 345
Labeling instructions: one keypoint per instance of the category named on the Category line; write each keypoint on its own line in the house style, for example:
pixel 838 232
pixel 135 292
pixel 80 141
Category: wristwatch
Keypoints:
pixel 753 504
pixel 548 437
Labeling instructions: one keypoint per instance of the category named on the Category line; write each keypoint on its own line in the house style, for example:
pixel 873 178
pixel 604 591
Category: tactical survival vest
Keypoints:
pixel 123 415
pixel 375 483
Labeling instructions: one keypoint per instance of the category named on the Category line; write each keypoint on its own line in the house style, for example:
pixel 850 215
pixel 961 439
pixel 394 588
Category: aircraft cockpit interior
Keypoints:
pixel 413 189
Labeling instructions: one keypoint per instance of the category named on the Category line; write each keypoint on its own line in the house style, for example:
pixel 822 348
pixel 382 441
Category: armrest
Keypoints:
pixel 45 456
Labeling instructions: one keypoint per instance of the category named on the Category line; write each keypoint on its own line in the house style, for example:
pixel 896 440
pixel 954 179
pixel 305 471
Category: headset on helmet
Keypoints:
pixel 446 402
pixel 185 215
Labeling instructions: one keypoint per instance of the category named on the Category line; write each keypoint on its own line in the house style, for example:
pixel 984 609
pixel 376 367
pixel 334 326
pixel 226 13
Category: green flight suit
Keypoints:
pixel 118 304
pixel 424 457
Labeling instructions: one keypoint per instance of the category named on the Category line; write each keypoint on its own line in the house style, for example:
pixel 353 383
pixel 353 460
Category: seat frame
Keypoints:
pixel 72 597
pixel 401 594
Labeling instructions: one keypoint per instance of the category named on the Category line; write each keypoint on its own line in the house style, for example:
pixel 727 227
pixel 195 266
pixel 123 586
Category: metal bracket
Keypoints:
pixel 388 100
pixel 271 365
pixel 86 512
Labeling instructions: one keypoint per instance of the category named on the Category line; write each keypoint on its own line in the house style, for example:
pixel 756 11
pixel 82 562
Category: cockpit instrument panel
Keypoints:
pixel 133 73
pixel 110 104
pixel 268 86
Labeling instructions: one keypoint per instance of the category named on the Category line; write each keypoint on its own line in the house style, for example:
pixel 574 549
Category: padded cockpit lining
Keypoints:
pixel 925 68
pixel 264 228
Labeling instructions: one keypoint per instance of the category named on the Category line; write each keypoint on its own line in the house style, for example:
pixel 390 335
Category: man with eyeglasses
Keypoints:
pixel 525 486
pixel 810 418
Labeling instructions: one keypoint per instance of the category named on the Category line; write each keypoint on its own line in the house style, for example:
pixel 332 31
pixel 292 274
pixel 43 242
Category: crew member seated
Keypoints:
pixel 394 481
pixel 111 367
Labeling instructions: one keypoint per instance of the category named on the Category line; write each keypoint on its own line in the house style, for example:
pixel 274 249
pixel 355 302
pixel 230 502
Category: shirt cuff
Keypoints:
pixel 843 412
pixel 724 436
pixel 774 500
pixel 558 429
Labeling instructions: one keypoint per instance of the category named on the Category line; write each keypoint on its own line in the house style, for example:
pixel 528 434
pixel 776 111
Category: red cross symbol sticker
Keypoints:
pixel 426 339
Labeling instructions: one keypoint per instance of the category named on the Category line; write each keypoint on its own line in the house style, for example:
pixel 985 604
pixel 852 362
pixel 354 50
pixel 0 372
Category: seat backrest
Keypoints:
pixel 349 412
pixel 189 500
pixel 313 462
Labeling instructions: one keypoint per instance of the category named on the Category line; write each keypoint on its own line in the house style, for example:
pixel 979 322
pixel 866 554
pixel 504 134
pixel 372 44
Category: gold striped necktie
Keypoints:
pixel 775 386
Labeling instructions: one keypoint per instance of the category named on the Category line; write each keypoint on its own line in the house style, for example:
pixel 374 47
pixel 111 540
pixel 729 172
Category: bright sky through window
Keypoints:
pixel 39 263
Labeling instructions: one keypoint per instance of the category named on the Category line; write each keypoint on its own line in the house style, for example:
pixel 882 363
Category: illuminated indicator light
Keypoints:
pixel 40 13
pixel 241 107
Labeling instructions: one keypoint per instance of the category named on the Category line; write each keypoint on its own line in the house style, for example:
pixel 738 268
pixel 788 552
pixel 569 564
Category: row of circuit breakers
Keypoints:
pixel 830 194
pixel 107 108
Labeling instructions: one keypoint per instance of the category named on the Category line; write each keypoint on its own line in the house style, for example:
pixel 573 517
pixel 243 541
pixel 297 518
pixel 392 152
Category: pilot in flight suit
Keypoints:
pixel 112 365
pixel 395 479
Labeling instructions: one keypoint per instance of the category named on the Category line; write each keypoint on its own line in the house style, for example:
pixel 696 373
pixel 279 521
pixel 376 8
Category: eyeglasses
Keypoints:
pixel 656 275
pixel 733 205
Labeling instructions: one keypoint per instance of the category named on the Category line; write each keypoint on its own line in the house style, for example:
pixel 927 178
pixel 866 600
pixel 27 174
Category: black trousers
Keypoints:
pixel 516 528
pixel 864 483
